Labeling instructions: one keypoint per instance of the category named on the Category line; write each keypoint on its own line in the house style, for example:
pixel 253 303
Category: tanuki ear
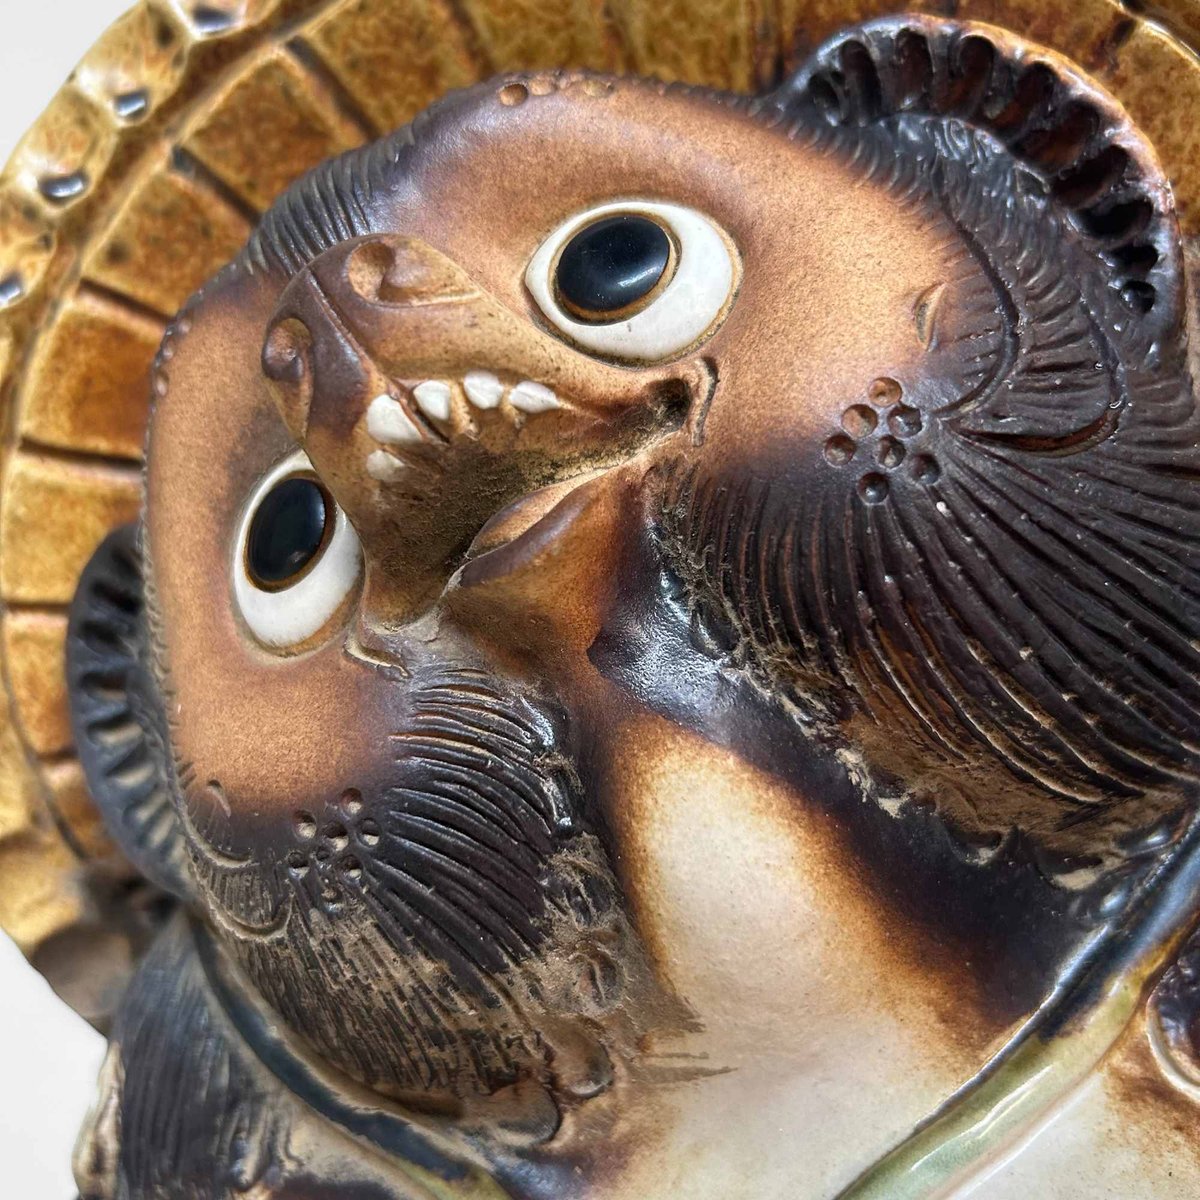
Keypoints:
pixel 1070 140
pixel 116 714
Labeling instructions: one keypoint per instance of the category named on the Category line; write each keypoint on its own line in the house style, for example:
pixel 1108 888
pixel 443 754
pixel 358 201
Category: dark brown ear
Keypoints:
pixel 116 715
pixel 1070 141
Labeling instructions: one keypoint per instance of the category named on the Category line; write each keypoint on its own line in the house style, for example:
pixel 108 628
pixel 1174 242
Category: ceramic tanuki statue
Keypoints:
pixel 664 649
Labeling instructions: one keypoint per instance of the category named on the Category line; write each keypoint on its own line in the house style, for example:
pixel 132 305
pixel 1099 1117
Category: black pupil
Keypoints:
pixel 287 531
pixel 612 264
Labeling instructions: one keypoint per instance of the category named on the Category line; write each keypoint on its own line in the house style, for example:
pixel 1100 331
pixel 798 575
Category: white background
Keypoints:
pixel 48 1057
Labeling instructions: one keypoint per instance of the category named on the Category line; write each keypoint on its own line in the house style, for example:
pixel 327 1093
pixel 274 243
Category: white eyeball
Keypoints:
pixel 296 556
pixel 635 280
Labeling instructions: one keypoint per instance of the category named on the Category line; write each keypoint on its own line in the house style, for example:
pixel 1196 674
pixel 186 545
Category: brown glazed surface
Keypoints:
pixel 755 763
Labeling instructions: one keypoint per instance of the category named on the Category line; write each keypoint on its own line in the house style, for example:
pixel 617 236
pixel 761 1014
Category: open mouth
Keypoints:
pixel 521 531
pixel 448 425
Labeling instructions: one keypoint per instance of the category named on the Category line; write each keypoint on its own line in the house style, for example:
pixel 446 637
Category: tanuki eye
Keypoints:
pixel 635 280
pixel 610 267
pixel 296 558
pixel 288 532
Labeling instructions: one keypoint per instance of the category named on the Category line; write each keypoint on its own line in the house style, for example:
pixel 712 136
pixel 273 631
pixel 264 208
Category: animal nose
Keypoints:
pixel 365 303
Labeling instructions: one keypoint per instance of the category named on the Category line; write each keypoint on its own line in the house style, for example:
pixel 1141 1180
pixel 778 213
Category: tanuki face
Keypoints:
pixel 623 561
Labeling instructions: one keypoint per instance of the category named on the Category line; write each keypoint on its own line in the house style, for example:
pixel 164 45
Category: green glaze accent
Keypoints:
pixel 1056 1050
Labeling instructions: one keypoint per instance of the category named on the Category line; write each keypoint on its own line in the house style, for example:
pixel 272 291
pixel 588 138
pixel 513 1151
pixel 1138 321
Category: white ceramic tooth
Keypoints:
pixel 531 397
pixel 483 389
pixel 384 467
pixel 388 422
pixel 433 396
